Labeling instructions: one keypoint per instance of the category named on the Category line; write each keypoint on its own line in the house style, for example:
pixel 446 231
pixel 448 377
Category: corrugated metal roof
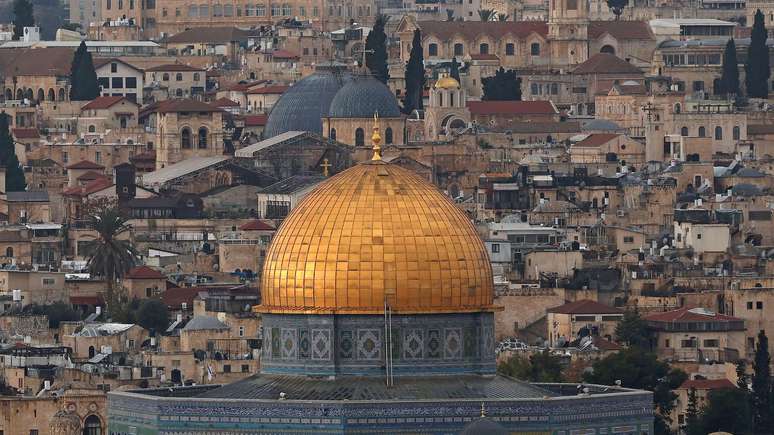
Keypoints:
pixel 250 151
pixel 180 169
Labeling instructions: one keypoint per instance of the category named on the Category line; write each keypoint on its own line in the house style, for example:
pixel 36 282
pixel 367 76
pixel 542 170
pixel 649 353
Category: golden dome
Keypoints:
pixel 372 230
pixel 447 82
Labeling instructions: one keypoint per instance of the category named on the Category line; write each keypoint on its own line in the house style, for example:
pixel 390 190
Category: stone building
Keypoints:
pixel 37 74
pixel 179 80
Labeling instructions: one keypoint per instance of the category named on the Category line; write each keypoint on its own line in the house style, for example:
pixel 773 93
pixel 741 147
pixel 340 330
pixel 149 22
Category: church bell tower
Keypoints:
pixel 568 24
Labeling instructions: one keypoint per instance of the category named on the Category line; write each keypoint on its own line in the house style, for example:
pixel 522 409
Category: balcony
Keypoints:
pixel 702 356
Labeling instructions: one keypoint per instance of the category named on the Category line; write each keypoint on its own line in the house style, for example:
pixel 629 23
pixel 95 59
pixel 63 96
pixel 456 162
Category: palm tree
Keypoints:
pixel 486 14
pixel 110 257
pixel 502 17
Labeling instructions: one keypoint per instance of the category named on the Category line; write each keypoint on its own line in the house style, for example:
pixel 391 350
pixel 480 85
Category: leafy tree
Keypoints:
pixel 617 7
pixel 632 330
pixel 539 367
pixel 57 312
pixel 487 14
pixel 726 410
pixel 454 71
pixel 637 368
pixel 376 50
pixel 502 17
pixel 22 12
pixel 692 424
pixel 741 375
pixel 729 79
pixel 761 385
pixel 757 67
pixel 14 175
pixel 84 85
pixel 415 76
pixel 153 315
pixel 503 86
pixel 110 255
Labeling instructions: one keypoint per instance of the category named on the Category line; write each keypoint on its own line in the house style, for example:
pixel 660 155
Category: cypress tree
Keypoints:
pixel 415 76
pixel 84 85
pixel 14 175
pixel 376 50
pixel 22 12
pixel 757 67
pixel 761 386
pixel 454 71
pixel 729 80
pixel 692 425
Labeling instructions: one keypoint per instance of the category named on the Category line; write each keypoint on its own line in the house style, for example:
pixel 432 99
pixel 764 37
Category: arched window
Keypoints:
pixel 92 425
pixel 678 108
pixel 359 137
pixel 276 10
pixel 202 138
pixel 179 77
pixel 388 135
pixel 29 95
pixel 165 77
pixel 179 92
pixel 718 133
pixel 260 10
pixel 684 131
pixel 92 129
pixel 333 134
pixel 458 49
pixel 61 94
pixel 185 138
pixel 510 49
pixel 534 49
pixel 20 94
pixel 51 95
pixel 483 48
pixel 432 49
pixel 92 352
pixel 41 95
pixel 9 252
pixel 451 99
pixel 8 94
pixel 702 131
pixel 287 10
pixel 736 133
pixel 609 49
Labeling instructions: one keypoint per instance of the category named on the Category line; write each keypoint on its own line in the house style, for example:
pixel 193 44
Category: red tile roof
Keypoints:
pixel 511 107
pixel 91 175
pixel 89 188
pixel 687 314
pixel 257 225
pixel 585 306
pixel 176 296
pixel 85 164
pixel 707 384
pixel 144 272
pixel 224 102
pixel 604 63
pixel 603 344
pixel 26 133
pixel 271 89
pixel 484 57
pixel 42 61
pixel 104 102
pixel 179 105
pixel 283 54
pixel 471 30
pixel 175 67
pixel 255 120
pixel 596 140
pixel 621 30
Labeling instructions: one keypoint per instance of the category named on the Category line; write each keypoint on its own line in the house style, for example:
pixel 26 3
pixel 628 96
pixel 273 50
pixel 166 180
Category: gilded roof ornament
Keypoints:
pixel 376 139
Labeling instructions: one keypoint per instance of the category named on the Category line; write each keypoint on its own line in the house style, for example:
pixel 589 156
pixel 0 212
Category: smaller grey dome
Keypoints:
pixel 601 125
pixel 484 426
pixel 362 97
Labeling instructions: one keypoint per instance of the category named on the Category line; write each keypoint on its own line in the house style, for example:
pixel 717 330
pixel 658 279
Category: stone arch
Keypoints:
pixel 8 94
pixel 607 48
pixel 92 425
pixel 20 94
pixel 41 95
pixel 61 94
pixel 51 94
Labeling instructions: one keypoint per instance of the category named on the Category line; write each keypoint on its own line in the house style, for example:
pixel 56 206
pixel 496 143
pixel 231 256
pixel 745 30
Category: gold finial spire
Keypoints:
pixel 376 139
pixel 325 165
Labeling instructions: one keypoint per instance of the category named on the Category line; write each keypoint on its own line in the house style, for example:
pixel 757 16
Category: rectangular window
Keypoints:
pixel 666 343
pixel 117 82
pixel 749 305
pixel 114 67
pixel 226 368
pixel 245 368
pixel 510 49
pixel 131 82
pixel 64 157
pixel 48 281
pixel 495 248
pixel 611 318
pixel 585 318
pixel 241 331
pixel 759 215
pixel 712 343
pixel 98 157
pixel 104 82
pixel 759 305
pixel 628 239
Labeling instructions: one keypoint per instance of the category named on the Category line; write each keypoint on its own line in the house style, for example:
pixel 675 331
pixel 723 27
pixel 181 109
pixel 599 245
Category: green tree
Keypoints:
pixel 741 375
pixel 57 312
pixel 110 255
pixel 22 13
pixel 539 367
pixel 502 17
pixel 454 71
pixel 632 330
pixel 415 76
pixel 692 423
pixel 487 14
pixel 757 67
pixel 84 85
pixel 637 368
pixel 761 386
pixel 726 410
pixel 14 175
pixel 503 86
pixel 617 7
pixel 153 315
pixel 376 50
pixel 729 79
